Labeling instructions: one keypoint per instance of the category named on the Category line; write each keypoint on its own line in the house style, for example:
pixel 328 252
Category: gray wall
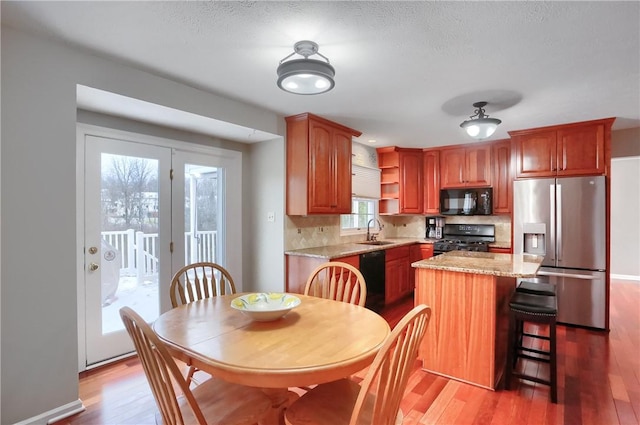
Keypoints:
pixel 625 142
pixel 266 239
pixel 38 238
pixel 625 204
pixel 625 217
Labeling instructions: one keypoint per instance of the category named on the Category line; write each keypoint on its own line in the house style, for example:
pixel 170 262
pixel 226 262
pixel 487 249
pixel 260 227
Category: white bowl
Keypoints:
pixel 265 306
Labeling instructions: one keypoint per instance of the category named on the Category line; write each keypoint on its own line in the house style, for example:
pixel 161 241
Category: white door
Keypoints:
pixel 198 193
pixel 127 239
pixel 149 209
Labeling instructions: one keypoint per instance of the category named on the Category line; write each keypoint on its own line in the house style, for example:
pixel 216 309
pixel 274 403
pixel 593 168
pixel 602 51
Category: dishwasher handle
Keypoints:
pixel 373 254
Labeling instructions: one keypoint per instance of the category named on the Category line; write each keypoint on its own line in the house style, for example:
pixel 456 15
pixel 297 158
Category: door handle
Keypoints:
pixel 571 275
pixel 93 267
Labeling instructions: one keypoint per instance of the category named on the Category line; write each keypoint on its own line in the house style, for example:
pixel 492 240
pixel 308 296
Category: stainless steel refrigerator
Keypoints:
pixel 564 219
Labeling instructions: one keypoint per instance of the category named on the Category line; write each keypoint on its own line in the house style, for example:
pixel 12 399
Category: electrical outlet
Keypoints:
pixel 271 216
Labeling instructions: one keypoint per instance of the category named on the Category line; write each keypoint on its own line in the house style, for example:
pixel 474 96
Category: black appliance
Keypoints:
pixel 465 237
pixel 434 227
pixel 372 266
pixel 468 201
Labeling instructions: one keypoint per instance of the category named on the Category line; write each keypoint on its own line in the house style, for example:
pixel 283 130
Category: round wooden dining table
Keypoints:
pixel 319 341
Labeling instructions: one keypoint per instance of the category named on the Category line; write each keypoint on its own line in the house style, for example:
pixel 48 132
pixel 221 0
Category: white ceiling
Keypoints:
pixel 407 73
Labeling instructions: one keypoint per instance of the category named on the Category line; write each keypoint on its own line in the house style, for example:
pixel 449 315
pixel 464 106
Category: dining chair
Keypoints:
pixel 214 402
pixel 337 281
pixel 197 281
pixel 376 401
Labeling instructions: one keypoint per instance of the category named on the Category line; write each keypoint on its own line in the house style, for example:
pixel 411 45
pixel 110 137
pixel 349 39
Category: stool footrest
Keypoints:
pixel 538 359
pixel 546 338
pixel 531 378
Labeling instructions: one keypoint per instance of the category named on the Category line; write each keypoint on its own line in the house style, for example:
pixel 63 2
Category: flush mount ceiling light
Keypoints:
pixel 482 126
pixel 306 76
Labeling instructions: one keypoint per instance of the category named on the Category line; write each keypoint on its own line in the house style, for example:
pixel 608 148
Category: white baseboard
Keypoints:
pixel 56 414
pixel 625 277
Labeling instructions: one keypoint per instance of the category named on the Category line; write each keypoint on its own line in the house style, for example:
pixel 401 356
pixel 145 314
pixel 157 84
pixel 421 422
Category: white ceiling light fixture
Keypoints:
pixel 481 127
pixel 306 76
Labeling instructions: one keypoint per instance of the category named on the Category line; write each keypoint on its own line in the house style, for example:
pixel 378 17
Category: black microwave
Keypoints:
pixel 468 201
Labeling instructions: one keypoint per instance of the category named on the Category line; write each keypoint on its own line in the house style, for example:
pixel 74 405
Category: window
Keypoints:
pixel 362 210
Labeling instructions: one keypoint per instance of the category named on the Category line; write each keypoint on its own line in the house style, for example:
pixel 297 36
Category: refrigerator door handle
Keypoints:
pixel 559 222
pixel 552 219
pixel 572 275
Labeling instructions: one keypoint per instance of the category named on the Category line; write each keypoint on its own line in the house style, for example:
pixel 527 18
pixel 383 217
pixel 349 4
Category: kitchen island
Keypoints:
pixel 468 293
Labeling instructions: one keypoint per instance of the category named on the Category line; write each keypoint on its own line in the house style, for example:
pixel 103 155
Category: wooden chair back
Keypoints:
pixel 160 369
pixel 337 281
pixel 381 392
pixel 198 281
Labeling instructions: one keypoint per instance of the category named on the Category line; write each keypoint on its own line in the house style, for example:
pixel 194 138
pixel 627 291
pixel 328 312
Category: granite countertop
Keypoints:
pixel 506 265
pixel 346 249
pixel 354 248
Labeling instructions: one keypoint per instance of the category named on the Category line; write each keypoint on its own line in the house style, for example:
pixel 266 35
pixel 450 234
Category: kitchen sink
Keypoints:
pixel 375 243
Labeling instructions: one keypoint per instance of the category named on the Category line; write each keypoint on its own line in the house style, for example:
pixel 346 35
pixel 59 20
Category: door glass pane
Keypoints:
pixel 202 240
pixel 129 230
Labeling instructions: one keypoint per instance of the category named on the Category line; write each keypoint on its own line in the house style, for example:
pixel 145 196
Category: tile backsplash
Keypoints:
pixel 312 231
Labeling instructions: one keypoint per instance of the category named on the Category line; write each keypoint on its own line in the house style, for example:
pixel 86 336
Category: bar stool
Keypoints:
pixel 532 308
pixel 536 288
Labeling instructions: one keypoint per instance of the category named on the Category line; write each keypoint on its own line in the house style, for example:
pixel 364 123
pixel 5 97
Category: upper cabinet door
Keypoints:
pixel 342 171
pixel 502 180
pixel 452 166
pixel 478 171
pixel 465 166
pixel 431 181
pixel 535 154
pixel 581 150
pixel 411 182
pixel 322 169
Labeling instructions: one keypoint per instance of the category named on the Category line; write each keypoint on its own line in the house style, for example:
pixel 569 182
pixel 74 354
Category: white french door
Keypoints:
pixel 127 235
pixel 150 207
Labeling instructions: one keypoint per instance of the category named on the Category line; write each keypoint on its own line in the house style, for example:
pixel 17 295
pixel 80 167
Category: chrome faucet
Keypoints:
pixel 372 237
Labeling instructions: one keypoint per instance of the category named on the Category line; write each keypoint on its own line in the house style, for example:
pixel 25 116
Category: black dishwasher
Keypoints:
pixel 372 269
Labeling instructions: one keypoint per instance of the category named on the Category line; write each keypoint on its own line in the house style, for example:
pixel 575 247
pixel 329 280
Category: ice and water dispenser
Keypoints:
pixel 534 238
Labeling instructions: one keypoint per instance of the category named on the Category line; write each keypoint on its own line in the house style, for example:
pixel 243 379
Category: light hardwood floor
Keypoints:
pixel 598 376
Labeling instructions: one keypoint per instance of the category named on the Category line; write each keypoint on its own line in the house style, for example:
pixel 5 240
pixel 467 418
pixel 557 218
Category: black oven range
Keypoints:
pixel 465 237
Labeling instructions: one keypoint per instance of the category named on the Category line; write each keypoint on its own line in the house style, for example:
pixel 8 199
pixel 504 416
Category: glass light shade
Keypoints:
pixel 306 76
pixel 481 128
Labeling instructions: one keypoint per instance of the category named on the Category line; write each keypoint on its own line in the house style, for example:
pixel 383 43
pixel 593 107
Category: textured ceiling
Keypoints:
pixel 406 72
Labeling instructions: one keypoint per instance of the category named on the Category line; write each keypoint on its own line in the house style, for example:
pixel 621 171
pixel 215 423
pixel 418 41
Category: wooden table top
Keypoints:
pixel 319 341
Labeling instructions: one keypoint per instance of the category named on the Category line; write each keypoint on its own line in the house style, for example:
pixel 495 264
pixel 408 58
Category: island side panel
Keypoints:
pixel 505 286
pixel 461 338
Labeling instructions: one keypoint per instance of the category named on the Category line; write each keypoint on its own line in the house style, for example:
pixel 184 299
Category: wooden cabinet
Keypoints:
pixel 465 166
pixel 397 267
pixel 431 181
pixel 318 166
pixel 400 180
pixel 426 250
pixel 500 250
pixel 299 268
pixel 502 177
pixel 564 150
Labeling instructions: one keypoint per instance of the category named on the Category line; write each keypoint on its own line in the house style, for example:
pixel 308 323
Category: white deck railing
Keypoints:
pixel 139 251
